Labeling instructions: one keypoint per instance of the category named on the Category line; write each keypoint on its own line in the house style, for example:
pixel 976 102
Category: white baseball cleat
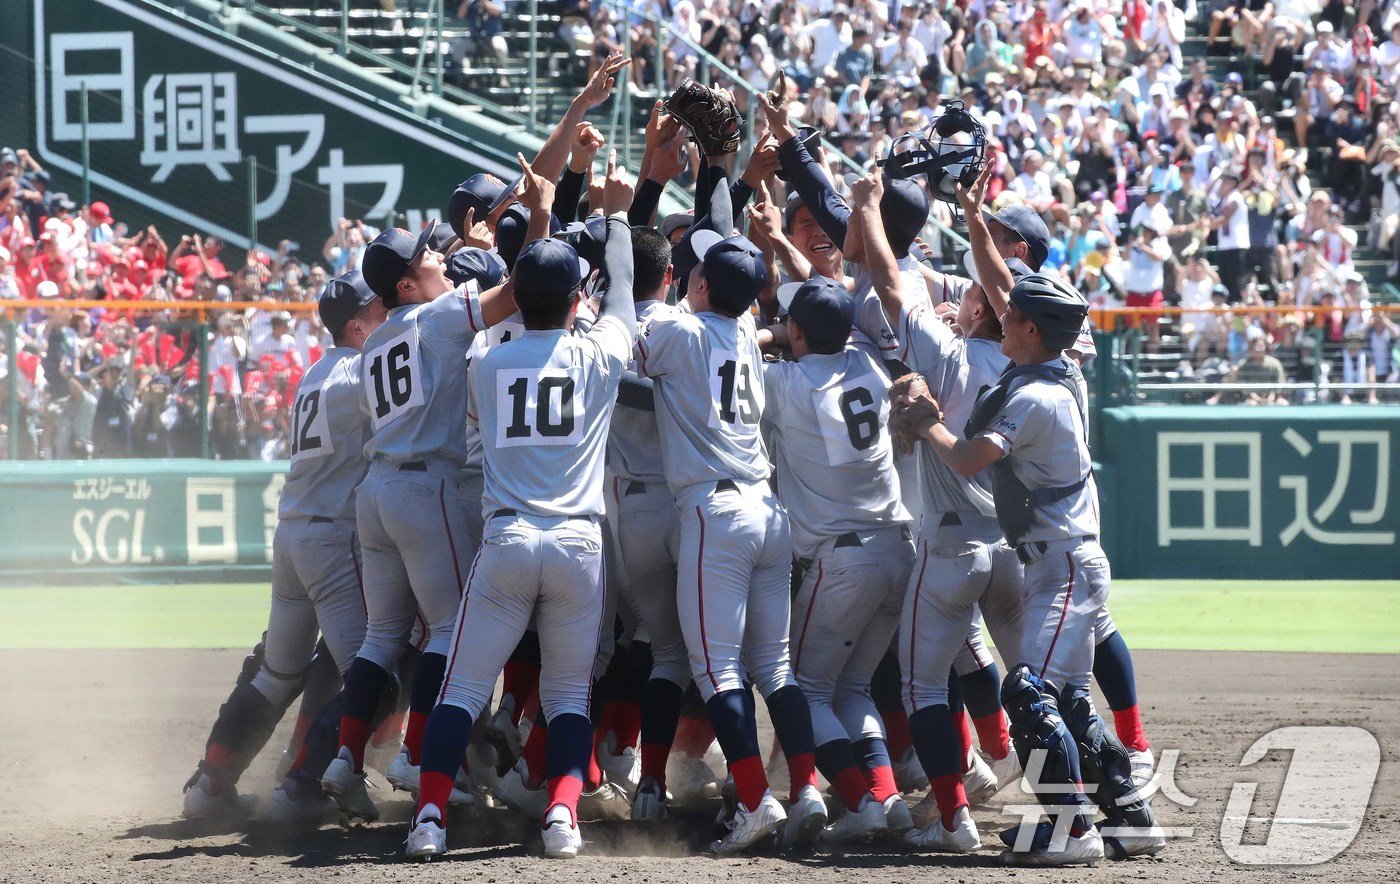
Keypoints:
pixel 751 826
pixel 427 837
pixel 909 773
pixel 688 778
pixel 624 769
pixel 1007 770
pixel 607 802
pixel 403 774
pixel 650 804
pixel 562 839
pixel 806 819
pixel 348 789
pixel 511 789
pixel 1143 763
pixel 936 839
pixel 857 825
pixel 926 812
pixel 1124 842
pixel 201 801
pixel 897 817
pixel 283 808
pixel 1081 850
pixel 979 782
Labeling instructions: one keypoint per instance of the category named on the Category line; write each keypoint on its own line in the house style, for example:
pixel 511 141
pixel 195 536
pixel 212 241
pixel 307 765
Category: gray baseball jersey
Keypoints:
pixel 956 369
pixel 834 459
pixel 870 315
pixel 709 420
pixel 329 430
pixel 415 379
pixel 543 403
pixel 1042 431
pixel 634 441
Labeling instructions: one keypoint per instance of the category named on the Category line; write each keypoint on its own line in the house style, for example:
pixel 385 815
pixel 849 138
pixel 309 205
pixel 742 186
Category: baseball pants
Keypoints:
pixel 548 567
pixel 963 564
pixel 315 588
pixel 1066 586
pixel 843 618
pixel 1103 625
pixel 732 593
pixel 974 654
pixel 649 534
pixel 415 535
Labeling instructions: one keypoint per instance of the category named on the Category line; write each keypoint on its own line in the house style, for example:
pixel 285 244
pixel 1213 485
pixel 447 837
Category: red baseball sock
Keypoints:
pixel 217 759
pixel 851 786
pixel 694 736
pixel 654 756
pixel 303 724
pixel 1128 724
pixel 413 736
pixel 965 736
pixel 434 787
pixel 521 681
pixel 354 733
pixel 627 725
pixel 565 790
pixel 948 792
pixel 389 731
pixel 993 735
pixel 595 773
pixel 750 780
pixel 534 755
pixel 802 772
pixel 880 780
pixel 897 738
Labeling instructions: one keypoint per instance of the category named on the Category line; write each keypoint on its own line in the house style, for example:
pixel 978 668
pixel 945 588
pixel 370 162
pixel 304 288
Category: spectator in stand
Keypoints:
pixel 1346 136
pixel 111 426
pixel 1147 255
pixel 1354 365
pixel 1230 218
pixel 1387 170
pixel 1165 30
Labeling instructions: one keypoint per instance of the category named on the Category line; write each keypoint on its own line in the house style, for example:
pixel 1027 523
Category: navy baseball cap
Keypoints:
pixel 388 256
pixel 823 309
pixel 1026 224
pixel 794 202
pixel 441 236
pixel 470 264
pixel 548 267
pixel 588 237
pixel 678 221
pixel 341 299
pixel 1017 267
pixel 734 269
pixel 483 192
pixel 903 209
pixel 510 232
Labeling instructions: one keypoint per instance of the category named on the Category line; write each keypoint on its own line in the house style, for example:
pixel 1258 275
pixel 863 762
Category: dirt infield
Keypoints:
pixel 96 745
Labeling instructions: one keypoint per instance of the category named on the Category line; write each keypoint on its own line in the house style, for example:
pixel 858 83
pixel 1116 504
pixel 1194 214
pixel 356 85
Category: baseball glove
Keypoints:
pixel 710 115
pixel 913 411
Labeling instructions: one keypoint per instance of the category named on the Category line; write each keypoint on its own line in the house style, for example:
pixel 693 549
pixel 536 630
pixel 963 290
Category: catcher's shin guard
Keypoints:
pixel 1041 739
pixel 1104 763
pixel 245 723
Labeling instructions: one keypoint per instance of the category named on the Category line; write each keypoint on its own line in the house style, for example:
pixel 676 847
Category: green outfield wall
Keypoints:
pixel 1211 492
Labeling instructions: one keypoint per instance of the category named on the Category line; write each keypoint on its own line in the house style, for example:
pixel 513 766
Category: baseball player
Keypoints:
pixel 411 508
pixel 543 403
pixel 315 550
pixel 835 472
pixel 1030 430
pixel 962 561
pixel 735 545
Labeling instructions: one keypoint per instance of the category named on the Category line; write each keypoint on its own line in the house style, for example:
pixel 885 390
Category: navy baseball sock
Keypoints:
pixel 885 689
pixel 445 739
pixel 427 684
pixel 568 756
pixel 364 682
pixel 1113 670
pixel 737 732
pixel 940 754
pixel 792 722
pixel 837 762
pixel 874 757
pixel 661 712
pixel 959 713
pixel 982 695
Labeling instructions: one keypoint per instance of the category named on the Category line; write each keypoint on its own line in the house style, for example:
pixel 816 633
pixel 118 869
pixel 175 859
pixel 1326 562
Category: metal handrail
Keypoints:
pixel 707 61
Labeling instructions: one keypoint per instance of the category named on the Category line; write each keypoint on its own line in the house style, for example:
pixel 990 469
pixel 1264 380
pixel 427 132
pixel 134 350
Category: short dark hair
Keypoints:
pixel 540 310
pixel 825 341
pixel 651 255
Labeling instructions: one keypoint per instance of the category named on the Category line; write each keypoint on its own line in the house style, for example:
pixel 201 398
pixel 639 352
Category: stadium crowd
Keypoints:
pixel 1159 185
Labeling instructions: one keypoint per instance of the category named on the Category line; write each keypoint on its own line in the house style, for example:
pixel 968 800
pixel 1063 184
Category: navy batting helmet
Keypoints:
pixel 1056 307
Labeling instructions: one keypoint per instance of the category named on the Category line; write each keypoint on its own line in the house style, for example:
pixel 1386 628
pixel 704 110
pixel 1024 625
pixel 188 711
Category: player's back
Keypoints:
pixel 709 397
pixel 414 373
pixel 328 435
pixel 634 439
pixel 543 403
pixel 834 460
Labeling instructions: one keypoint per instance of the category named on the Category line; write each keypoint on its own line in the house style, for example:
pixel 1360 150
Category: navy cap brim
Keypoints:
pixel 507 193
pixel 424 239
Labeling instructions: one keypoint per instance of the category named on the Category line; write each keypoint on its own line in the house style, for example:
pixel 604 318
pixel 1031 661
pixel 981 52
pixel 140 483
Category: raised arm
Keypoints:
pixel 879 257
pixel 617 251
pixel 992 271
pixel 803 171
pixel 550 161
pixel 497 304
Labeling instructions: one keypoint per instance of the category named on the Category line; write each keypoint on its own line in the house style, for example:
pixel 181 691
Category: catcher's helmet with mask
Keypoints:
pixel 951 151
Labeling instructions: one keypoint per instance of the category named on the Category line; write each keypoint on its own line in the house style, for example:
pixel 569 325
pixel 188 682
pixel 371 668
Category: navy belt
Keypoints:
pixel 321 520
pixel 726 485
pixel 508 512
pixel 414 466
pixel 851 538
pixel 949 519
pixel 635 488
pixel 1023 550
